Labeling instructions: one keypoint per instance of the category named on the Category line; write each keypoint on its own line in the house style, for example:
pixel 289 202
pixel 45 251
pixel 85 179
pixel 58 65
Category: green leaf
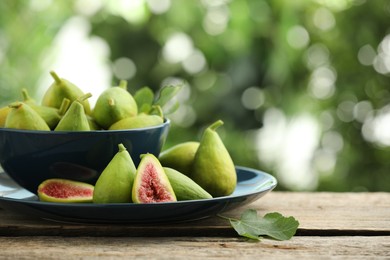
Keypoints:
pixel 144 98
pixel 156 110
pixel 166 95
pixel 170 108
pixel 273 225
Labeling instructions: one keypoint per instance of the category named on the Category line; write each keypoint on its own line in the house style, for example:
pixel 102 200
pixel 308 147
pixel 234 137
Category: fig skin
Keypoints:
pixel 60 89
pixel 22 116
pixel 113 105
pixel 75 118
pixel 184 187
pixel 139 121
pixel 213 168
pixel 51 115
pixel 65 191
pixel 3 115
pixel 115 183
pixel 180 157
pixel 151 184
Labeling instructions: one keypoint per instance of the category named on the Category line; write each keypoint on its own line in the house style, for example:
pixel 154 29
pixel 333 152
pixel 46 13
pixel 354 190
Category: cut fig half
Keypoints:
pixel 65 191
pixel 151 184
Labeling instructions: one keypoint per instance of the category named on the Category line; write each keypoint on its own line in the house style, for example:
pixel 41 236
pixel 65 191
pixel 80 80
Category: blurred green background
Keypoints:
pixel 302 86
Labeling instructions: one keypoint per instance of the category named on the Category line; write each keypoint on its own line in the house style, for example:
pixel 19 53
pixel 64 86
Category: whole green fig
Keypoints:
pixel 213 168
pixel 114 104
pixel 115 183
pixel 22 116
pixel 179 157
pixel 75 118
pixel 60 89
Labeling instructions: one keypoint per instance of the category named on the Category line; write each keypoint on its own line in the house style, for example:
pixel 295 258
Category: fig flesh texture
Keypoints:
pixel 75 118
pixel 213 168
pixel 60 89
pixel 114 104
pixel 65 191
pixel 22 116
pixel 115 183
pixel 151 184
pixel 179 157
pixel 139 121
pixel 184 187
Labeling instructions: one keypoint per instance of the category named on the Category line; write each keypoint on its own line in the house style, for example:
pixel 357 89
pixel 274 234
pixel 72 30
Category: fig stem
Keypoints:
pixel 56 77
pixel 64 106
pixel 123 84
pixel 111 102
pixel 121 147
pixel 26 96
pixel 215 125
pixel 84 97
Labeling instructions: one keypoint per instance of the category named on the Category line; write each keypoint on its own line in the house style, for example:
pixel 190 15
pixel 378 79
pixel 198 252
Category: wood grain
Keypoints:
pixel 356 247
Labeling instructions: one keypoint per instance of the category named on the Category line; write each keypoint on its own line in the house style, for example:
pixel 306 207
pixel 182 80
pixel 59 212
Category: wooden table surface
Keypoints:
pixel 332 225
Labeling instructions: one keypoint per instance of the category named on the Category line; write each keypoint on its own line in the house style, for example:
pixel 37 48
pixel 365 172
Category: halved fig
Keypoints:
pixel 65 191
pixel 151 184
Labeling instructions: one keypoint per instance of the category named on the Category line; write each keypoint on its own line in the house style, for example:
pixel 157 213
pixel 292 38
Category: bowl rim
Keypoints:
pixel 166 123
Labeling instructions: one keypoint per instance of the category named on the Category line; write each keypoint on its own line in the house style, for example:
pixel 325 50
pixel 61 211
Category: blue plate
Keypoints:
pixel 252 185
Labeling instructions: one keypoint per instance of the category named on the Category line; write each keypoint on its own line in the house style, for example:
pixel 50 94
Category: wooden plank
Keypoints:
pixel 194 248
pixel 318 214
pixel 331 211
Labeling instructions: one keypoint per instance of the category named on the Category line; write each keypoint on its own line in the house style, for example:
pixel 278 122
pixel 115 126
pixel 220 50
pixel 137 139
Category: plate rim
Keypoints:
pixel 189 209
pixel 272 180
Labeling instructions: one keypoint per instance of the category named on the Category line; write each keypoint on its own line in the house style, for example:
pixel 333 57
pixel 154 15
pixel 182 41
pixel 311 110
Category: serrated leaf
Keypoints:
pixel 273 225
pixel 144 98
pixel 166 95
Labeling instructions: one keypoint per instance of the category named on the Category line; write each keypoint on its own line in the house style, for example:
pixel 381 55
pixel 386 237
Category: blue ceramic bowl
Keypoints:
pixel 30 157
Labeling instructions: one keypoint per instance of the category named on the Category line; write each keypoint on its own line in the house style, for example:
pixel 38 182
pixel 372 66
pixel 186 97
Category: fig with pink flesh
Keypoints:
pixel 151 184
pixel 65 191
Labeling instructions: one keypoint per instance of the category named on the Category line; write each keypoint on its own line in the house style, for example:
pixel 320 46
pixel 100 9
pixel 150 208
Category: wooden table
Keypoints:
pixel 332 225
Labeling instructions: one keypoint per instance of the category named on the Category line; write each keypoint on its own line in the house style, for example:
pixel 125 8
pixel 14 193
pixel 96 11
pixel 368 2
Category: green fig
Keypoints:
pixel 60 89
pixel 213 168
pixel 92 123
pixel 3 115
pixel 139 121
pixel 75 118
pixel 179 157
pixel 22 116
pixel 114 104
pixel 65 191
pixel 151 184
pixel 51 115
pixel 184 187
pixel 115 183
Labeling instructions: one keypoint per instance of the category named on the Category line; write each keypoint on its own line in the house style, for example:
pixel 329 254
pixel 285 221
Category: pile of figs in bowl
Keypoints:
pixel 65 151
pixel 63 137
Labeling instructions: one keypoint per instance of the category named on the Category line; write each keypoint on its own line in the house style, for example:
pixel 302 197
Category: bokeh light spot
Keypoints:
pixel 159 6
pixel 322 82
pixel 366 55
pixel 323 19
pixel 252 98
pixel 195 62
pixel 124 68
pixel 298 37
pixel 177 48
